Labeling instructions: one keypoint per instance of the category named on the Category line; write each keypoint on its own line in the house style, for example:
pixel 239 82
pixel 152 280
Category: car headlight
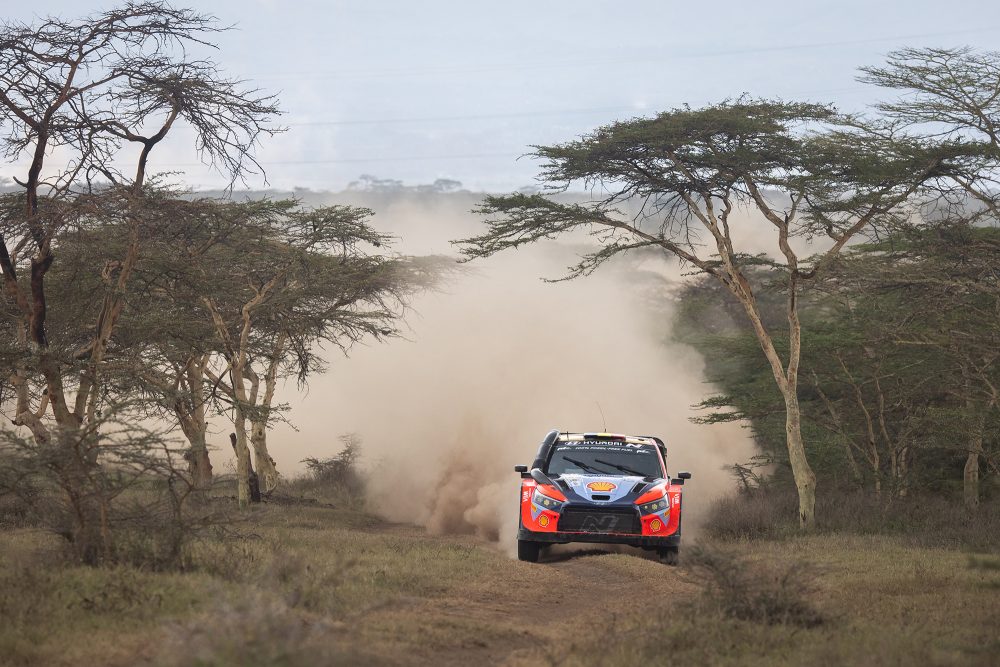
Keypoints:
pixel 544 502
pixel 658 506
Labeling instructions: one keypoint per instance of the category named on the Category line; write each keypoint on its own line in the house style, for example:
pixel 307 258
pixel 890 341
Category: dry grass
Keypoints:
pixel 884 602
pixel 773 592
pixel 314 585
pixel 297 567
pixel 924 520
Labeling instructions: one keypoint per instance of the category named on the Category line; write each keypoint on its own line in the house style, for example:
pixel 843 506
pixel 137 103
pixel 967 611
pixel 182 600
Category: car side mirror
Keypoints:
pixel 678 481
pixel 521 469
pixel 684 475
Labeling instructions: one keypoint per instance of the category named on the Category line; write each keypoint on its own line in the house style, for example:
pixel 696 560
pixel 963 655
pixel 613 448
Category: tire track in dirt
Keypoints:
pixel 516 613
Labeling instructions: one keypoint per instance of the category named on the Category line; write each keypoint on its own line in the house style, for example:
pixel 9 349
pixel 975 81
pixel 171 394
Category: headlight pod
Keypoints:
pixel 542 501
pixel 658 506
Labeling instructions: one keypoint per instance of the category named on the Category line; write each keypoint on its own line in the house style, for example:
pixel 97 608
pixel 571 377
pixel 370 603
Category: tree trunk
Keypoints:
pixel 239 442
pixel 904 472
pixel 190 414
pixel 267 473
pixel 199 464
pixel 805 478
pixel 787 380
pixel 970 475
pixel 90 535
pixel 236 355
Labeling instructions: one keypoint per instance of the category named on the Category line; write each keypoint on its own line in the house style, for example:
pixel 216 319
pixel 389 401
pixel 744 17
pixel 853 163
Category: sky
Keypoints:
pixel 418 91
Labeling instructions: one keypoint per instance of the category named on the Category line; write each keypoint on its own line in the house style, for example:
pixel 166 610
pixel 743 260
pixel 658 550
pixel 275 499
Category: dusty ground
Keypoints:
pixel 314 586
pixel 514 613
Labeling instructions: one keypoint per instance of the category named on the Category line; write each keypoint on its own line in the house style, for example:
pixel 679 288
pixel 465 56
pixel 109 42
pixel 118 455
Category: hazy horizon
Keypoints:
pixel 444 89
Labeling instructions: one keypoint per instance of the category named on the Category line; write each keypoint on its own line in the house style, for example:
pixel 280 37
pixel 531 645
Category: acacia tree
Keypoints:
pixel 875 397
pixel 954 95
pixel 806 170
pixel 279 280
pixel 165 333
pixel 89 88
pixel 946 284
pixel 286 282
pixel 858 413
pixel 950 95
pixel 899 367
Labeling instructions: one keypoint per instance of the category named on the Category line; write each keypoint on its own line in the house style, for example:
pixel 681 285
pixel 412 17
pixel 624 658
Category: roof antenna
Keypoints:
pixel 603 420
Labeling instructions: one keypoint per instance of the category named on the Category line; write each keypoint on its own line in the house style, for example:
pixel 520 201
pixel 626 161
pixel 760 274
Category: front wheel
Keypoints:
pixel 528 551
pixel 669 555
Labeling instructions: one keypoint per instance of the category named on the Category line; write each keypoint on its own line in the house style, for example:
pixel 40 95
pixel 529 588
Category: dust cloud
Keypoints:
pixel 491 363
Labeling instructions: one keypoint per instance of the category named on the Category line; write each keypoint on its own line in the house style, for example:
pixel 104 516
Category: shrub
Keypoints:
pixel 772 593
pixel 922 519
pixel 113 491
pixel 255 631
pixel 26 593
pixel 337 478
pixel 752 515
pixel 232 557
pixel 14 512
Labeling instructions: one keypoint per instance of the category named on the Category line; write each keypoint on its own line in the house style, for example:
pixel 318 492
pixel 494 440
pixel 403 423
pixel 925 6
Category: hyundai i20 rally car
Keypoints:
pixel 600 487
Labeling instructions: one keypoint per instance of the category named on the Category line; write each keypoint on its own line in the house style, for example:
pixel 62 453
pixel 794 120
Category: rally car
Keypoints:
pixel 600 487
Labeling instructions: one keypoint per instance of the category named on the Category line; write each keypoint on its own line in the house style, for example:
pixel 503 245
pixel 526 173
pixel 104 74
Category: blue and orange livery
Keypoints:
pixel 600 488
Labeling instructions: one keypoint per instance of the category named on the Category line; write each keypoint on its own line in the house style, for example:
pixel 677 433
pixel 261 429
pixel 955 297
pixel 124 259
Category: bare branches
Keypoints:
pixel 952 97
pixel 86 88
pixel 954 89
pixel 63 79
pixel 229 119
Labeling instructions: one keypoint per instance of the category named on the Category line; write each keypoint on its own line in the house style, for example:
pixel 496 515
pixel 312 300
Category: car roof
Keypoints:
pixel 570 438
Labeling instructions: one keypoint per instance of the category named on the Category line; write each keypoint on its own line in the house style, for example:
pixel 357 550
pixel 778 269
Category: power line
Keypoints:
pixel 449 119
pixel 616 61
pixel 647 108
pixel 415 158
pixel 467 156
pixel 517 114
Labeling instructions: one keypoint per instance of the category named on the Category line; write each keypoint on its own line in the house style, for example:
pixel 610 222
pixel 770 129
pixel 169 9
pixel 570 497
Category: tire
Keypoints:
pixel 669 555
pixel 528 551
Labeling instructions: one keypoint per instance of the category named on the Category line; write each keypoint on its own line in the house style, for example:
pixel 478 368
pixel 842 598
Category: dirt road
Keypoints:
pixel 318 585
pixel 517 613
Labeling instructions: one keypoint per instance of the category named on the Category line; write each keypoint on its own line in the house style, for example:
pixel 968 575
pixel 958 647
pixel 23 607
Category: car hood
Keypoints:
pixel 617 488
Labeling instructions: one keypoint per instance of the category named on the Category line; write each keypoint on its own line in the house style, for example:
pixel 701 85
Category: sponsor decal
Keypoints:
pixel 543 521
pixel 655 525
pixel 602 486
pixel 605 446
pixel 600 524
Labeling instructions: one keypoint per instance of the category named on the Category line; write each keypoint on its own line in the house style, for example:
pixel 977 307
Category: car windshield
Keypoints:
pixel 601 457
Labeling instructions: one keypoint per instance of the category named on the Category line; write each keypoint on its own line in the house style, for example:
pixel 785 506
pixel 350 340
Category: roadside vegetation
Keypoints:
pixel 301 583
pixel 129 302
pixel 916 178
pixel 836 599
pixel 865 363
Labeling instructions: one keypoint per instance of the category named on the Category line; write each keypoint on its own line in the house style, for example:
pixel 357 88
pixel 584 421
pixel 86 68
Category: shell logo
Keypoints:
pixel 543 521
pixel 602 486
pixel 655 525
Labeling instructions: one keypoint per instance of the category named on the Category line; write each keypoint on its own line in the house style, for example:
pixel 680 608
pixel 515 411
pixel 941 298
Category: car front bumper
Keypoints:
pixel 644 541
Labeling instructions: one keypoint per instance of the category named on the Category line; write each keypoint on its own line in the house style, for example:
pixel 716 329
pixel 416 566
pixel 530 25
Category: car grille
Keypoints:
pixel 603 520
